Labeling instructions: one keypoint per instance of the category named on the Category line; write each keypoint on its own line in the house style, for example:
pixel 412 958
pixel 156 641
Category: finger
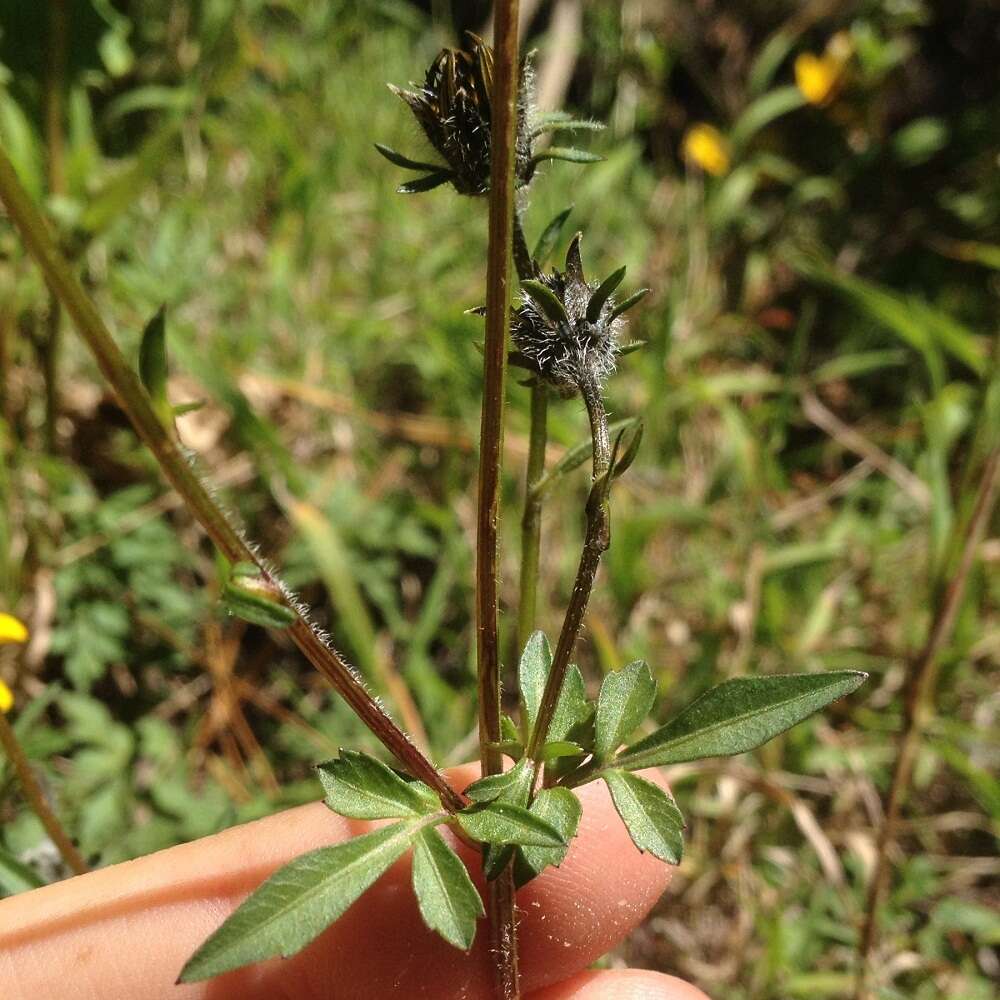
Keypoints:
pixel 126 931
pixel 620 984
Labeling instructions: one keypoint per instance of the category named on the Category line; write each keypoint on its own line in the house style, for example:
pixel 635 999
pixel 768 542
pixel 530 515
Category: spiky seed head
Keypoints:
pixel 453 108
pixel 568 328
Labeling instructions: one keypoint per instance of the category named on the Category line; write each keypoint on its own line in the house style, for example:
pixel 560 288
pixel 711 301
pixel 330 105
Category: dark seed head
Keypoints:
pixel 453 109
pixel 567 327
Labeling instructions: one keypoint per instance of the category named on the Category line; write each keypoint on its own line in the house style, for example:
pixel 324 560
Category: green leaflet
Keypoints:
pixel 298 902
pixel 561 808
pixel 654 822
pixel 566 153
pixel 153 365
pixel 603 293
pixel 510 786
pixel 625 700
pixel 362 787
pixel 506 823
pixel 449 902
pixel 572 708
pixel 550 236
pixel 739 715
pixel 546 300
pixel 532 672
pixel 627 304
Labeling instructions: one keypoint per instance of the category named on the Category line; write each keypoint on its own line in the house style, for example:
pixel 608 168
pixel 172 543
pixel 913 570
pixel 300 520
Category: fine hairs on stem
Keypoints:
pixel 500 907
pixel 135 402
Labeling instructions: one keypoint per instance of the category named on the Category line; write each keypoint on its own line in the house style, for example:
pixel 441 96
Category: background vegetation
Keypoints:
pixel 819 333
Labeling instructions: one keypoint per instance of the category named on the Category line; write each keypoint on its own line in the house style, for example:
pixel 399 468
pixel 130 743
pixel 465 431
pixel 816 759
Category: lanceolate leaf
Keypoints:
pixel 550 236
pixel 555 749
pixel 627 304
pixel 561 808
pixel 505 823
pixel 427 183
pixel 572 709
pixel 566 153
pixel 362 787
pixel 404 161
pixel 511 786
pixel 153 365
pixel 603 293
pixel 654 822
pixel 625 700
pixel 546 300
pixel 299 901
pixel 558 121
pixel 740 715
pixel 626 448
pixel 532 672
pixel 449 902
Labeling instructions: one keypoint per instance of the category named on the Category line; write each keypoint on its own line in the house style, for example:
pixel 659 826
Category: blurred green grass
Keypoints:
pixel 220 160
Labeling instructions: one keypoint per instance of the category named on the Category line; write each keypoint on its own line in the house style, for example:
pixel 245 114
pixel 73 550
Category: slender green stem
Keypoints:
pixel 531 519
pixel 597 538
pixel 500 904
pixel 136 404
pixel 36 799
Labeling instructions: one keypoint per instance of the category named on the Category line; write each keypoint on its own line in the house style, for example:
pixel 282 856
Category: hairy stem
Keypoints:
pixel 597 538
pixel 500 904
pixel 919 706
pixel 36 799
pixel 135 402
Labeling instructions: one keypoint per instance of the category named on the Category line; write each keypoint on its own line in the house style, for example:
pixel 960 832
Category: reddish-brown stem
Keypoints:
pixel 596 541
pixel 503 104
pixel 134 401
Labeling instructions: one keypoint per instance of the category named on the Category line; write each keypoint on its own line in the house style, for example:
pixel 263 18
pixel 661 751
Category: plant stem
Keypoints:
pixel 919 706
pixel 531 519
pixel 597 538
pixel 36 799
pixel 503 104
pixel 135 402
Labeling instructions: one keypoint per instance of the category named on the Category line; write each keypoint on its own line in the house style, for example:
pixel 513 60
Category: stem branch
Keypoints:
pixel 134 401
pixel 596 541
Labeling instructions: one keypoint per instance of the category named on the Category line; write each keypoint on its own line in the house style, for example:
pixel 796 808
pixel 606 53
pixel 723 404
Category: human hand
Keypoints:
pixel 124 932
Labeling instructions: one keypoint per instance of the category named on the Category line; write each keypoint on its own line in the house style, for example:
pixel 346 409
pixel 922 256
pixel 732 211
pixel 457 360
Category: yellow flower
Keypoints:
pixel 819 77
pixel 706 147
pixel 12 629
pixel 6 698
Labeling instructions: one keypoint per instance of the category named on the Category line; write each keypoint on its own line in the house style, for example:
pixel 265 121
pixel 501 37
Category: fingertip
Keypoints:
pixel 620 984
